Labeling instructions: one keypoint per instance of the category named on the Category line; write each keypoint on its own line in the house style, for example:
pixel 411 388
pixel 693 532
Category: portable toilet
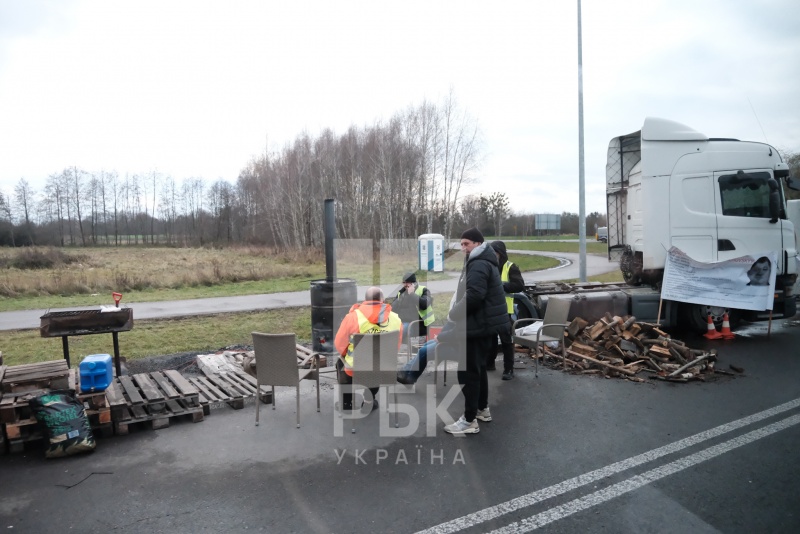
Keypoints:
pixel 431 252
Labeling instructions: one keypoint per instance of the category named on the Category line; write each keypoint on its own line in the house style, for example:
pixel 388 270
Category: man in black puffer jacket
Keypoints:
pixel 480 305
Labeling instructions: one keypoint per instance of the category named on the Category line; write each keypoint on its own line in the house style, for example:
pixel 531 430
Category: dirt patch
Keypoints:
pixel 183 362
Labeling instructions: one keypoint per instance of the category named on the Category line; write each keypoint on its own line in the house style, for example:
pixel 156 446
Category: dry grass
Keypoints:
pixel 125 269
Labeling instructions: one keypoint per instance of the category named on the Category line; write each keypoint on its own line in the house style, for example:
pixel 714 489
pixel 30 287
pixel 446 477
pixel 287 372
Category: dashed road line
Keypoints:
pixel 532 498
pixel 636 482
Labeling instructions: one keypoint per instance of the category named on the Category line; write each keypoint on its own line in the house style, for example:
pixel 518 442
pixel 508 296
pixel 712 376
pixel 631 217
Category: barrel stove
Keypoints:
pixel 331 298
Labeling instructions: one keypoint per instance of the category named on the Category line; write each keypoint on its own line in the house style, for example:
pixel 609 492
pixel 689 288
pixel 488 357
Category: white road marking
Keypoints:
pixel 530 499
pixel 601 496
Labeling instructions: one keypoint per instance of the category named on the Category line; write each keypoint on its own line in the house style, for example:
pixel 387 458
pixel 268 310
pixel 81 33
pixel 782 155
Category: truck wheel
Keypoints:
pixel 695 317
pixel 631 267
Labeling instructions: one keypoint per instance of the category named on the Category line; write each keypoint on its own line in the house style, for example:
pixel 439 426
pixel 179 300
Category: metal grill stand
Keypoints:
pixel 87 322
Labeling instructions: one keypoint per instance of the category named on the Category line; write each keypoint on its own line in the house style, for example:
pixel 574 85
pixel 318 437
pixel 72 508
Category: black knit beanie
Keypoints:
pixel 410 277
pixel 473 234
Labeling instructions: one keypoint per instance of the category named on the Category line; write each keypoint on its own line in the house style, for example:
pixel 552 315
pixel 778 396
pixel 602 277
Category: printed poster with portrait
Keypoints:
pixel 746 282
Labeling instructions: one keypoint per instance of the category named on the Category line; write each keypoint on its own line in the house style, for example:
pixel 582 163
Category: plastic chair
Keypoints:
pixel 374 363
pixel 276 365
pixel 552 329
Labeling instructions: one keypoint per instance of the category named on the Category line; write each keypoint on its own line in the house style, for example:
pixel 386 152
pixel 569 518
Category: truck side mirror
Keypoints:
pixel 774 201
pixel 792 184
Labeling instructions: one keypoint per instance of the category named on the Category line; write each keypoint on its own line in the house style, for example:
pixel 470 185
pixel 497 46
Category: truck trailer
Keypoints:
pixel 715 199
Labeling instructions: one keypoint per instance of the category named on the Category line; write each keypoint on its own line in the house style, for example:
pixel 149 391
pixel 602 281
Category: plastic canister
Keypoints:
pixel 96 372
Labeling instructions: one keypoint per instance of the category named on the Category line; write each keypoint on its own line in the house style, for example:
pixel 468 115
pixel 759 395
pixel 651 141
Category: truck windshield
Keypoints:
pixel 745 194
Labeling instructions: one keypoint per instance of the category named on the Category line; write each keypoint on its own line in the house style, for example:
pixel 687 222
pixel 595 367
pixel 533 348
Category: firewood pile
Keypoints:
pixel 623 347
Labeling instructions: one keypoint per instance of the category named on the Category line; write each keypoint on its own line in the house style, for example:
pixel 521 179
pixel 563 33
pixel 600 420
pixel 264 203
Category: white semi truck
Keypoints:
pixel 715 199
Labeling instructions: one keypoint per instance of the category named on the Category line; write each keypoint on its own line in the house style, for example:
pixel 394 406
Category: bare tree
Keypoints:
pixel 460 155
pixel 25 204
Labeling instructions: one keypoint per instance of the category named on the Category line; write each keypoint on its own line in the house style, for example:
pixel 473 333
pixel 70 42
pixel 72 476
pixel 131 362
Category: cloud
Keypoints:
pixel 196 89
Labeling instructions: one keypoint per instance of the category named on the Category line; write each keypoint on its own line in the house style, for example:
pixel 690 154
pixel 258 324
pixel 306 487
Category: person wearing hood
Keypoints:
pixel 511 277
pixel 371 316
pixel 480 309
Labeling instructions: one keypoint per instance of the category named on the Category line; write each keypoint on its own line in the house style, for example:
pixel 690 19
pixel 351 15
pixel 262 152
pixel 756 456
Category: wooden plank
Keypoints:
pixel 130 390
pixel 181 383
pixel 241 382
pixel 220 394
pixel 206 396
pixel 114 395
pixel 148 388
pixel 20 428
pixel 250 379
pixel 225 386
pixel 165 385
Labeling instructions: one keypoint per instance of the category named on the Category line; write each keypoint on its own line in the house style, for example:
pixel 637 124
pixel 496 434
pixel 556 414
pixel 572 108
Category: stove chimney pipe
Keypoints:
pixel 330 235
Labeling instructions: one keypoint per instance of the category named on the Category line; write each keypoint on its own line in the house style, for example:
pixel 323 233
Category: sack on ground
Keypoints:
pixel 64 423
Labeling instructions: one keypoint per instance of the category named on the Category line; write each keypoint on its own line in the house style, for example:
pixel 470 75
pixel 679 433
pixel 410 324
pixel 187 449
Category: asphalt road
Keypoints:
pixel 564 453
pixel 569 268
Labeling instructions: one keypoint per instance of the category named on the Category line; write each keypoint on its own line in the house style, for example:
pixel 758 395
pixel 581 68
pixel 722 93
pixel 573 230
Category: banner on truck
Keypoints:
pixel 746 282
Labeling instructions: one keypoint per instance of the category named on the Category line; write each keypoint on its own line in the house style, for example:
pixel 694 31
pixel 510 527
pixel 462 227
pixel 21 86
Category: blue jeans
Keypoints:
pixel 416 367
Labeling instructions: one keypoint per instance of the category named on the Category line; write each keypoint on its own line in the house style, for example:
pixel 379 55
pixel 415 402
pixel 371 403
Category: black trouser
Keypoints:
pixel 508 350
pixel 474 381
pixel 344 379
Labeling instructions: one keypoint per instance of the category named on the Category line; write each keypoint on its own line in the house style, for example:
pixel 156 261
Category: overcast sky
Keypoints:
pixel 197 89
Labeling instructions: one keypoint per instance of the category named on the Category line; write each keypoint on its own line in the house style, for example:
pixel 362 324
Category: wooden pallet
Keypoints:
pixel 152 398
pixel 32 376
pixel 231 388
pixel 21 433
pixel 137 416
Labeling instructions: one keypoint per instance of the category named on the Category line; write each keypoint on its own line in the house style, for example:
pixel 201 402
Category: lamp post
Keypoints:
pixel 581 170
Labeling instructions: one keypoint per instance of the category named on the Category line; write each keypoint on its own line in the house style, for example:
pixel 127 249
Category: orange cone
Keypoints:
pixel 726 328
pixel 712 331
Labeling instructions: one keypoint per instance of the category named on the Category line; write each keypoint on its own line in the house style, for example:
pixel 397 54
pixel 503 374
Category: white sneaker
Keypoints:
pixel 484 415
pixel 463 427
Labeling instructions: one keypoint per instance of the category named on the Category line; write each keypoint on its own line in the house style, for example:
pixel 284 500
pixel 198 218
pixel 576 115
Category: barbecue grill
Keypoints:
pixel 85 322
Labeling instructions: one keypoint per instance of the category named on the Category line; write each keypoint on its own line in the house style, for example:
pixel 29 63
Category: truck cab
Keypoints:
pixel 715 199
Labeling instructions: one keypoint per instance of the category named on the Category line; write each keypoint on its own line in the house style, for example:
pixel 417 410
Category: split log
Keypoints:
pixel 628 323
pixel 677 355
pixel 602 363
pixel 576 327
pixel 690 364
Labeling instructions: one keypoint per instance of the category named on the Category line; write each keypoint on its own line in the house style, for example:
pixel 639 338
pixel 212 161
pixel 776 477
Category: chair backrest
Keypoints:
pixel 557 312
pixel 276 359
pixel 375 358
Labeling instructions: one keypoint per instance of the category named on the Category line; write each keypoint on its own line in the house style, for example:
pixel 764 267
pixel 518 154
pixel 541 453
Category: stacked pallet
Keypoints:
pixel 623 347
pixel 97 409
pixel 19 384
pixel 152 400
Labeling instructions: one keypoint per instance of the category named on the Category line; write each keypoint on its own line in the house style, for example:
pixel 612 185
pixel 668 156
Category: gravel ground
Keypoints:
pixel 184 362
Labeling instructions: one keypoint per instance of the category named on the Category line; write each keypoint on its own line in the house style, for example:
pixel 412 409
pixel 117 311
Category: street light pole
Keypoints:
pixel 581 170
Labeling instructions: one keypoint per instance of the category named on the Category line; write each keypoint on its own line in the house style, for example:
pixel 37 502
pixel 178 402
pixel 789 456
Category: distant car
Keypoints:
pixel 602 234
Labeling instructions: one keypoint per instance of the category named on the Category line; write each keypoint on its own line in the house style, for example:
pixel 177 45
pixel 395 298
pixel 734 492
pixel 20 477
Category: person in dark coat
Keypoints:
pixel 480 306
pixel 414 302
pixel 511 277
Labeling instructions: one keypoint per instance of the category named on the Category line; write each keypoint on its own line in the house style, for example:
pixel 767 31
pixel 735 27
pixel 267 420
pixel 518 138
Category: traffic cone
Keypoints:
pixel 726 328
pixel 712 330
